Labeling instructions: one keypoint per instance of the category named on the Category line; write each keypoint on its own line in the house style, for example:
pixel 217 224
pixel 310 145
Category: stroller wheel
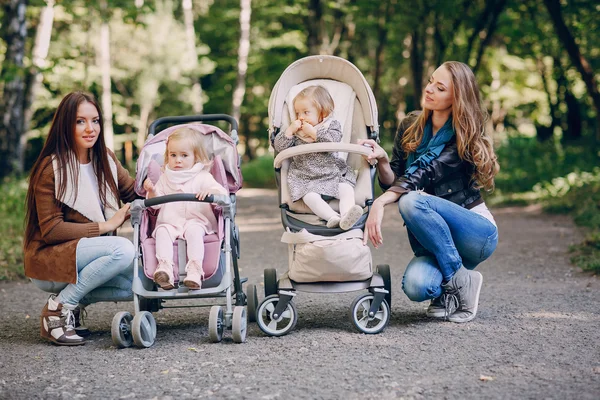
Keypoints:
pixel 359 314
pixel 143 329
pixel 252 302
pixel 270 281
pixel 121 330
pixel 384 271
pixel 215 324
pixel 276 327
pixel 239 324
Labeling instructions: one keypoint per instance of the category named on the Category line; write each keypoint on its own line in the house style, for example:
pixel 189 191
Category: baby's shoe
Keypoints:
pixel 193 279
pixel 163 276
pixel 333 222
pixel 57 324
pixel 351 217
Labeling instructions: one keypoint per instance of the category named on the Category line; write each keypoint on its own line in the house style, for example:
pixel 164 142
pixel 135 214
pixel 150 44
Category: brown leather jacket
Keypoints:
pixel 51 254
pixel 448 176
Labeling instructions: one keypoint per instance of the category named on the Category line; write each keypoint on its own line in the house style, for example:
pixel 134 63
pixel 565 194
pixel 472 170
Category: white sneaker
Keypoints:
pixel 333 222
pixel 351 217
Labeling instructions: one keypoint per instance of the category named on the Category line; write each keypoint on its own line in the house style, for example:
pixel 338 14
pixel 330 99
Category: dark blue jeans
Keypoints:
pixel 443 236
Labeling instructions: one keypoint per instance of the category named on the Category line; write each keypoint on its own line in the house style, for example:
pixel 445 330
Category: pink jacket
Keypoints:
pixel 178 216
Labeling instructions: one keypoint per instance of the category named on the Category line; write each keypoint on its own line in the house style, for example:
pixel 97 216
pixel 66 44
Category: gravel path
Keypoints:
pixel 536 334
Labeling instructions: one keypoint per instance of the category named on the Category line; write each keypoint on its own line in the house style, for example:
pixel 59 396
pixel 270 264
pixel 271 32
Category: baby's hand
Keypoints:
pixel 148 185
pixel 202 195
pixel 308 133
pixel 293 129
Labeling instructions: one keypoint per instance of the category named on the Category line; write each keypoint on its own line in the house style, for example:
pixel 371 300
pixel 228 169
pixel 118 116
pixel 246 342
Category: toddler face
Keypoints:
pixel 181 156
pixel 306 111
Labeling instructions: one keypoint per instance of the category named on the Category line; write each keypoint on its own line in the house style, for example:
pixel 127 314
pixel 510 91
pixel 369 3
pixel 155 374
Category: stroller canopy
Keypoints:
pixel 322 67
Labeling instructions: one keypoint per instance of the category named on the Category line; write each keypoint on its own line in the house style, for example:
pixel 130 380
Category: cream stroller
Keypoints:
pixel 221 249
pixel 321 259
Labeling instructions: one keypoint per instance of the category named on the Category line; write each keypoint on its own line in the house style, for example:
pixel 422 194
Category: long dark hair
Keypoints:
pixel 60 143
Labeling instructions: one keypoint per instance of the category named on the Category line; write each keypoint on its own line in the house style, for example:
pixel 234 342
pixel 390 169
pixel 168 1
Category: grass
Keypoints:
pixel 12 215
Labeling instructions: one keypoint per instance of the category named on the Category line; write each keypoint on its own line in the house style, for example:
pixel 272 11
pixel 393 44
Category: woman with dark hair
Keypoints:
pixel 73 207
pixel 441 159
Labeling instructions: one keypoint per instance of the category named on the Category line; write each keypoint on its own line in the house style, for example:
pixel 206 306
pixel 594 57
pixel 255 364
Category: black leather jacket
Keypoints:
pixel 448 176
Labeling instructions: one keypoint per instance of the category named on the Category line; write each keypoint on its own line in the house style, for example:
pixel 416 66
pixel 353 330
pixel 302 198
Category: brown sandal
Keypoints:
pixel 57 324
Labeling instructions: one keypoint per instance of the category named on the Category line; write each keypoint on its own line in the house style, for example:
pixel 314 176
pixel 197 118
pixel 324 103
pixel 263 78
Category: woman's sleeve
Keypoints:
pixel 331 134
pixel 448 162
pixel 281 142
pixel 125 182
pixel 53 227
pixel 398 161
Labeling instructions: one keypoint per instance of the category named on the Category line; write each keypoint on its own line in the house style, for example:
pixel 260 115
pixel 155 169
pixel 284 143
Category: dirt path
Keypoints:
pixel 536 334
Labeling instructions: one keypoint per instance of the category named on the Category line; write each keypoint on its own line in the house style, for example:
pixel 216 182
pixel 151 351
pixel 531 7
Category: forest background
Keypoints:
pixel 535 61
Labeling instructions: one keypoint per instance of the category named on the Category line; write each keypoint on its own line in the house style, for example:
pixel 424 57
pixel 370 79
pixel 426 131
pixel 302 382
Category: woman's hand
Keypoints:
pixel 378 151
pixel 373 224
pixel 116 221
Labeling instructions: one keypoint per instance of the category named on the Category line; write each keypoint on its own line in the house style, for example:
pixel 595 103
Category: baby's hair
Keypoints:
pixel 320 98
pixel 195 141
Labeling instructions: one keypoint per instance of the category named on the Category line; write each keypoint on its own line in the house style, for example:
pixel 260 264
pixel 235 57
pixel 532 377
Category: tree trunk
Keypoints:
pixel 546 132
pixel 39 53
pixel 145 111
pixel 489 32
pixel 576 57
pixel 11 126
pixel 106 84
pixel 243 50
pixel 190 36
pixel 313 23
pixel 382 30
pixel 416 64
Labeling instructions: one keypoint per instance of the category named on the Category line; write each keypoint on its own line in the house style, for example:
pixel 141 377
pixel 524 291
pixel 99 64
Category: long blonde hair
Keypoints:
pixel 468 121
pixel 195 140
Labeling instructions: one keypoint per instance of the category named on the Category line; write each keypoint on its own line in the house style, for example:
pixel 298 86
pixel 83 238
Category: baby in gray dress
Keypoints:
pixel 315 174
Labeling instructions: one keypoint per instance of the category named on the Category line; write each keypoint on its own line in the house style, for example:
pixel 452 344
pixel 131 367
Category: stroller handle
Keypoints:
pixel 195 118
pixel 170 198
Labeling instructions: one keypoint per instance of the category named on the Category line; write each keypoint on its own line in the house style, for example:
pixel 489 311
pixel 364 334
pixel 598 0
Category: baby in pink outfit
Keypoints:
pixel 185 171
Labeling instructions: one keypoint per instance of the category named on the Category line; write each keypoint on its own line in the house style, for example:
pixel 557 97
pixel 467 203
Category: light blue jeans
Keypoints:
pixel 443 236
pixel 104 272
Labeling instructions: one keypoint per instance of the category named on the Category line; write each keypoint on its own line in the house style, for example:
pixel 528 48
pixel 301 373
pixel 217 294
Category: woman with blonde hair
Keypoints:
pixel 442 158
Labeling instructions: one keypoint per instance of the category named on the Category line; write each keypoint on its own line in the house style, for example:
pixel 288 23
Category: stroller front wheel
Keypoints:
pixel 215 324
pixel 276 327
pixel 121 330
pixel 143 329
pixel 359 314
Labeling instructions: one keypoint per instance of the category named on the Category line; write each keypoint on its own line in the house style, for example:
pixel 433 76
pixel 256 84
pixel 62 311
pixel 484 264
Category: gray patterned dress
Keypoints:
pixel 316 172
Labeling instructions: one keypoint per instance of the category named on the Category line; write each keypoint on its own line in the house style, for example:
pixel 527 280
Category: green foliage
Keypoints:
pixel 525 162
pixel 587 254
pixel 12 215
pixel 259 173
pixel 579 195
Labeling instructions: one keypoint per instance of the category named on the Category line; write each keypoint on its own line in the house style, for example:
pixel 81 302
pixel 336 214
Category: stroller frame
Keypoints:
pixel 141 329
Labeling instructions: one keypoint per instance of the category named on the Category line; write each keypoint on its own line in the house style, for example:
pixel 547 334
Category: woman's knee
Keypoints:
pixel 123 252
pixel 409 203
pixel 422 279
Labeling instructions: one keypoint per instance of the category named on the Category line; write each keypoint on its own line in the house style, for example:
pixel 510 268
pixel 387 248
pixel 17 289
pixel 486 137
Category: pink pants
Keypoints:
pixel 194 235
